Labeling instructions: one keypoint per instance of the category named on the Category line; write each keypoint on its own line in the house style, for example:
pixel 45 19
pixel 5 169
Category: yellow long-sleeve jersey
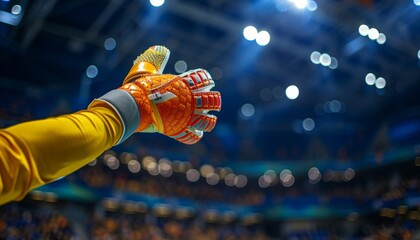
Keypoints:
pixel 38 152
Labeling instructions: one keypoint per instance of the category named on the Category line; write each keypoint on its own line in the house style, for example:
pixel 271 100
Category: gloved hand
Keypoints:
pixel 174 105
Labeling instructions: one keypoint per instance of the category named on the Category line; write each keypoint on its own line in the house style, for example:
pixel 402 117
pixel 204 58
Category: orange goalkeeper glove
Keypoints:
pixel 174 105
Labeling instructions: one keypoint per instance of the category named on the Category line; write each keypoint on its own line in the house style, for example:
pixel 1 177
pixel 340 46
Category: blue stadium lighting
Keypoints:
pixel 416 2
pixel 292 92
pixel 373 34
pixel 157 3
pixel 364 30
pixel 110 44
pixel 308 124
pixel 325 59
pixel 334 63
pixel 180 66
pixel 301 4
pixel 248 110
pixel 16 9
pixel 250 33
pixel 370 79
pixel 315 55
pixel 381 38
pixel 91 71
pixel 380 83
pixel 312 6
pixel 418 54
pixel 263 38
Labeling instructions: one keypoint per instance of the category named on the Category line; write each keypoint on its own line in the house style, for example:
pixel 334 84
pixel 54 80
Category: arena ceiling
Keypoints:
pixel 47 46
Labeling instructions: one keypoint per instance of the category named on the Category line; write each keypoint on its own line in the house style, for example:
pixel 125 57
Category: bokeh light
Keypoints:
pixel 110 44
pixel 240 181
pixel 212 178
pixel 263 38
pixel 312 5
pixel 381 38
pixel 206 169
pixel 349 174
pixel 248 110
pixel 373 34
pixel 334 63
pixel 157 3
pixel 315 55
pixel 308 124
pixel 363 30
pixel 334 106
pixel 230 179
pixel 380 83
pixel 301 4
pixel 325 59
pixel 16 9
pixel 416 2
pixel 193 175
pixel 91 71
pixel 180 66
pixel 370 79
pixel 314 175
pixel 292 92
pixel 134 166
pixel 250 33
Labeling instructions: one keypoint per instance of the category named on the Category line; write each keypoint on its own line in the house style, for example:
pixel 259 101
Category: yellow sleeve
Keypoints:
pixel 38 152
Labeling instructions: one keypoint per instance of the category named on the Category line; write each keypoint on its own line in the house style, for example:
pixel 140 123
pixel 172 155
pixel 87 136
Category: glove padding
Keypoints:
pixel 174 105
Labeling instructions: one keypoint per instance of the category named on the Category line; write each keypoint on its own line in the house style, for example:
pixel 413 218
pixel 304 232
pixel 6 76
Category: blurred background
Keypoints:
pixel 318 137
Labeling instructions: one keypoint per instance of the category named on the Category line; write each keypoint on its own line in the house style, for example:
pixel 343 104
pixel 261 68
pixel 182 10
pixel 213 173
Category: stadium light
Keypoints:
pixel 325 59
pixel 370 79
pixel 364 30
pixel 157 3
pixel 373 34
pixel 418 54
pixel 250 33
pixel 308 124
pixel 301 4
pixel 16 9
pixel 416 2
pixel 263 38
pixel 315 57
pixel 380 83
pixel 110 44
pixel 292 92
pixel 91 71
pixel 180 66
pixel 381 38
pixel 334 63
pixel 248 110
pixel 312 6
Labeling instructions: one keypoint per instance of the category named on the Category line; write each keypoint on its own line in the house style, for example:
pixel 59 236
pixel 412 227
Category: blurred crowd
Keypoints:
pixel 18 223
pixel 358 192
pixel 128 227
pixel 176 186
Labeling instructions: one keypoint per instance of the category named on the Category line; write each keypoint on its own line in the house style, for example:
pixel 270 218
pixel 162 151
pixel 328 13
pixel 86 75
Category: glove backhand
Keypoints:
pixel 174 105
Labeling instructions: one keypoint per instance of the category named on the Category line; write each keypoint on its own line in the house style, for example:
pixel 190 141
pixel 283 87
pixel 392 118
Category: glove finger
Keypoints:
pixel 203 123
pixel 198 80
pixel 152 61
pixel 189 136
pixel 208 101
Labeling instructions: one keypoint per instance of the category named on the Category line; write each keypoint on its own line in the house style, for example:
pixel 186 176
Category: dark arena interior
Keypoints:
pixel 318 136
